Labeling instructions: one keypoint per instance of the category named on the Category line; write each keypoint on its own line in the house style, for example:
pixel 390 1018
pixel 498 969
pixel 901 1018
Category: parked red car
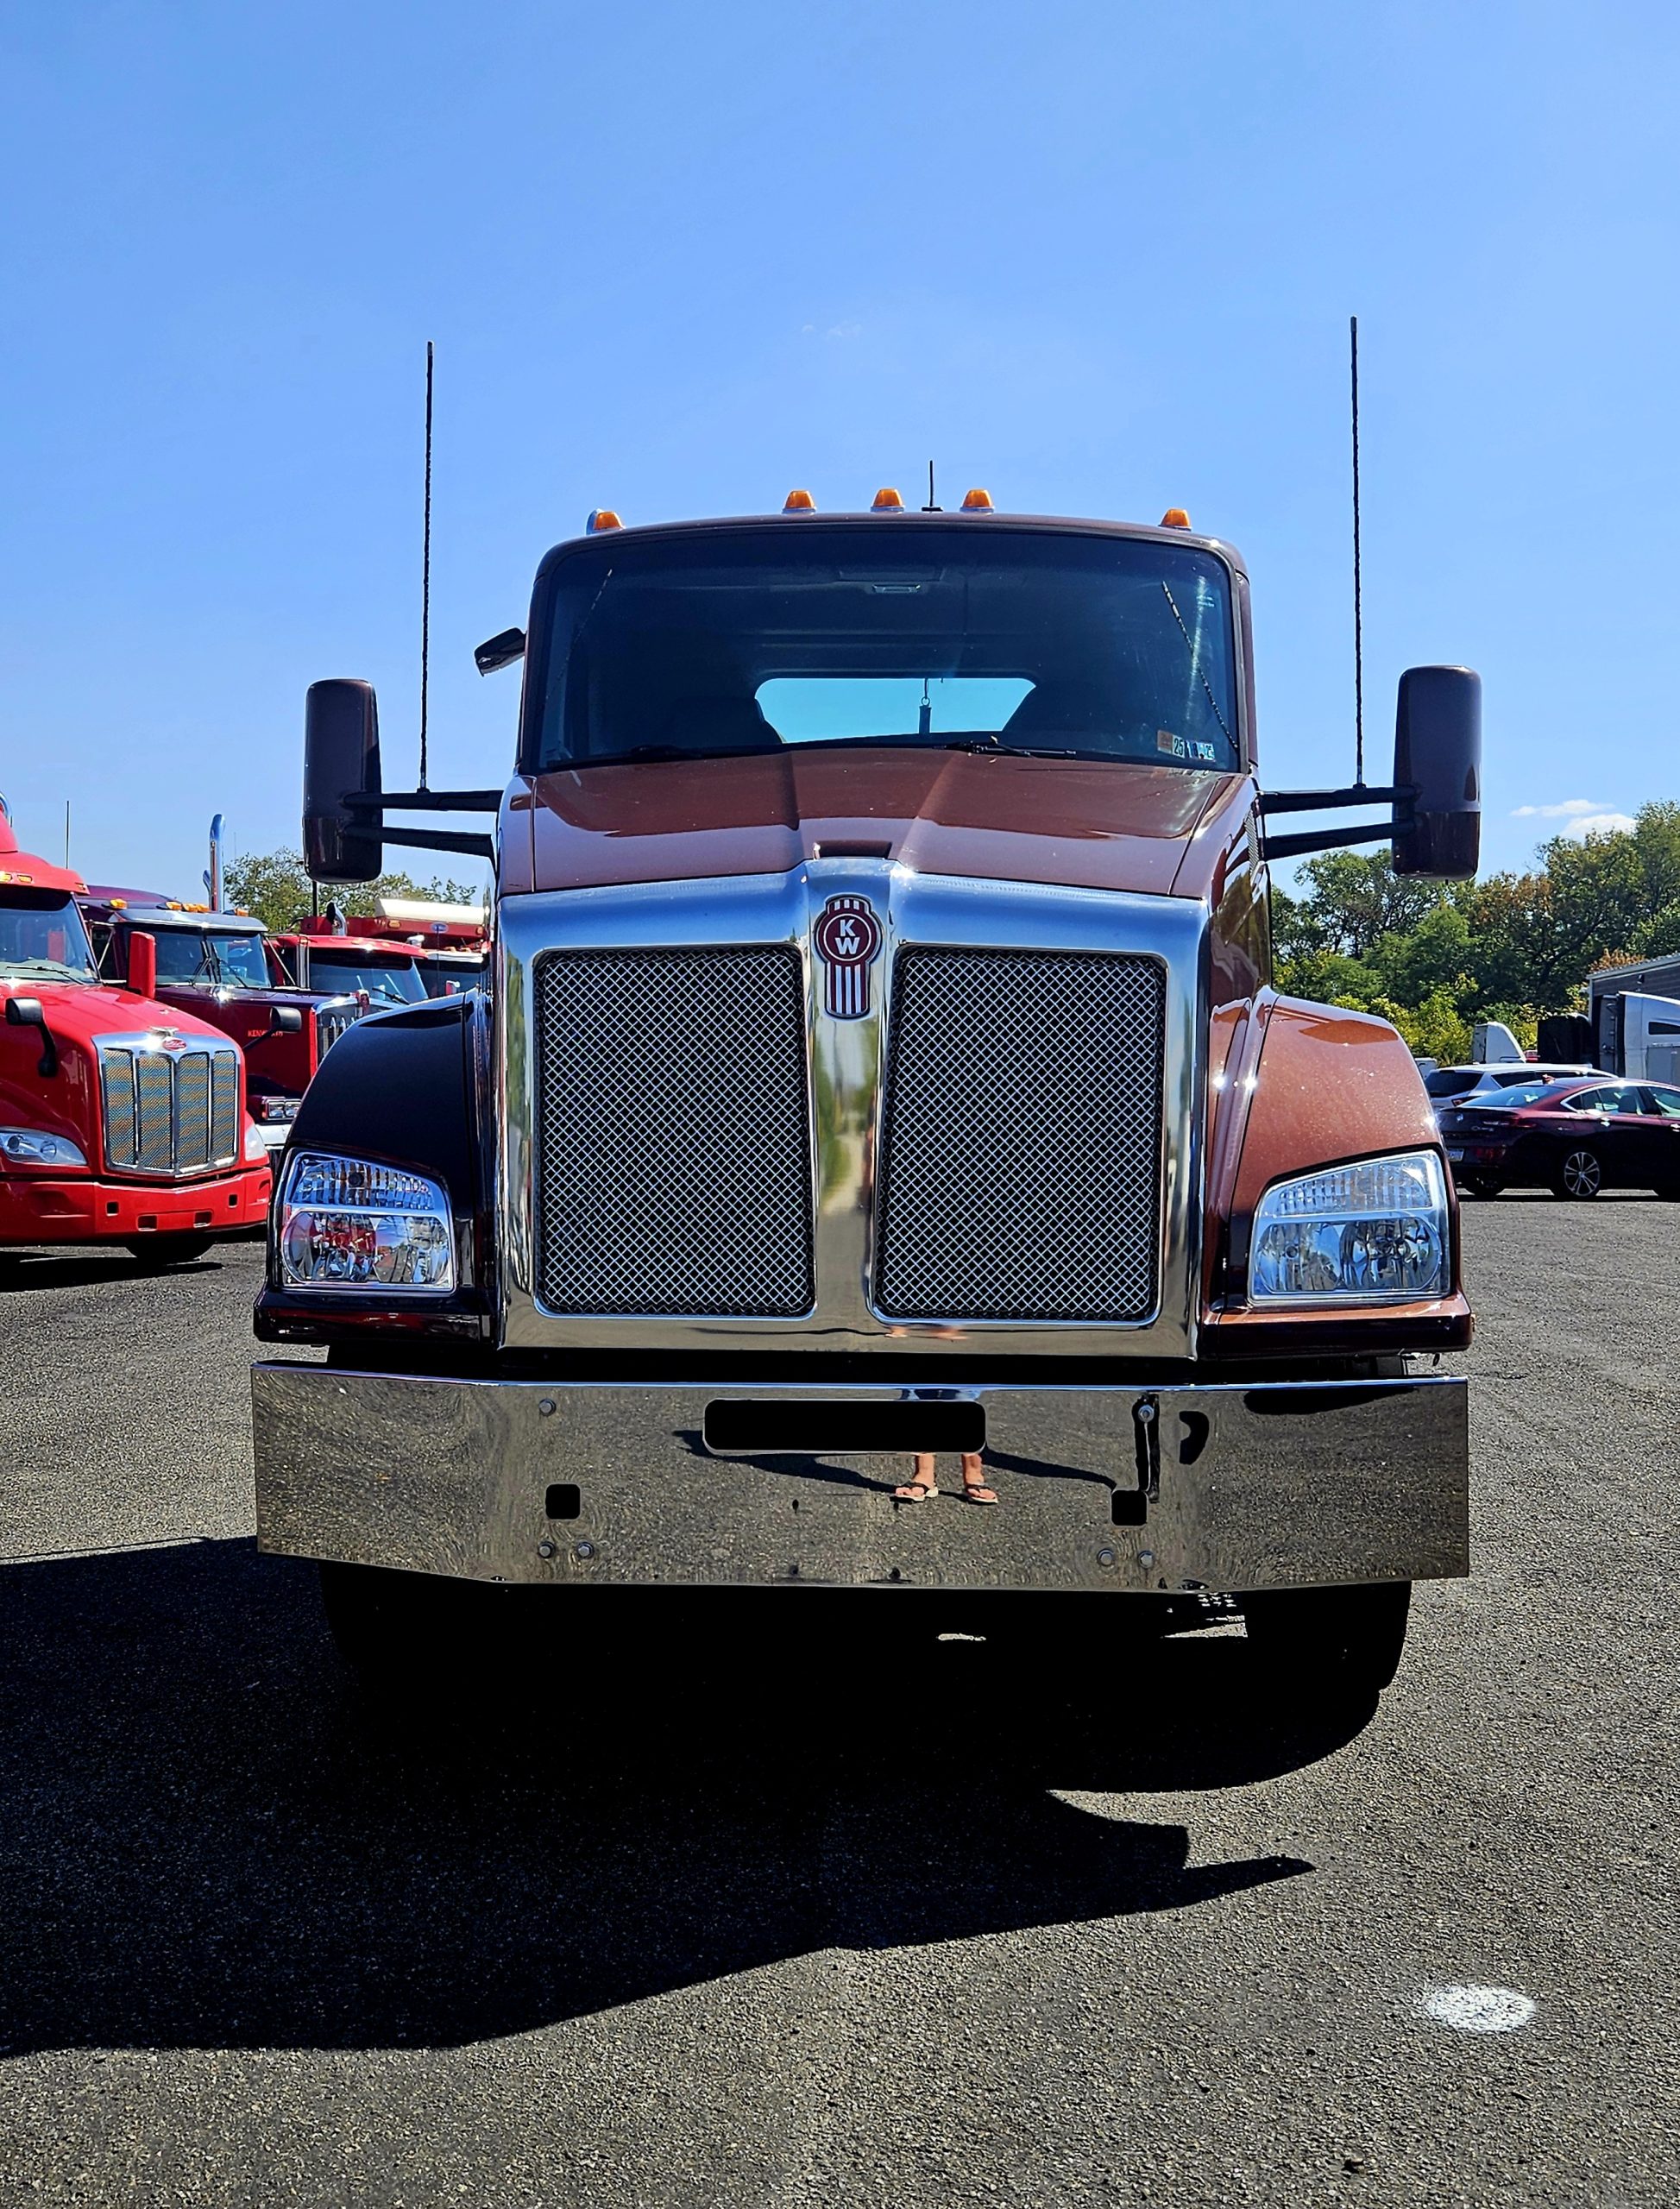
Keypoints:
pixel 1573 1137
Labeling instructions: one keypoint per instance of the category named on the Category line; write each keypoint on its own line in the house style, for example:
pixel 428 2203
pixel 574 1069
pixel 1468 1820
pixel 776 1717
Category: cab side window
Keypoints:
pixel 1626 1100
pixel 1589 1100
pixel 1665 1102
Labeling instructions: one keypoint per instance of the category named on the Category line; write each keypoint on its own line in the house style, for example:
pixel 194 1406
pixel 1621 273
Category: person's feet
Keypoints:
pixel 920 1486
pixel 974 1489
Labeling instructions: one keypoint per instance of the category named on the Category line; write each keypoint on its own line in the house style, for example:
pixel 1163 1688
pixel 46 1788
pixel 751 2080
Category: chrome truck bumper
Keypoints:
pixel 1127 1488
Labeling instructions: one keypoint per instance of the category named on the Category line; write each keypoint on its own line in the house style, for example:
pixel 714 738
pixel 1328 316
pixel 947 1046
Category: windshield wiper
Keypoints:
pixel 988 744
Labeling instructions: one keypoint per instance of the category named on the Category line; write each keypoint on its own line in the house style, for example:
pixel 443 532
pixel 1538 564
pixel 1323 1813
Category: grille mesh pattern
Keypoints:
pixel 169 1113
pixel 1020 1165
pixel 673 1142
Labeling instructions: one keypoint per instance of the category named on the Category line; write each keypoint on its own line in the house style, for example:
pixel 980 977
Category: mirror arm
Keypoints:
pixel 47 1064
pixel 422 802
pixel 1323 801
pixel 1400 795
pixel 441 839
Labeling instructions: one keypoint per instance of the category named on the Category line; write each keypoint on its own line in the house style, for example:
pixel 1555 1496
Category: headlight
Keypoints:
pixel 1375 1233
pixel 255 1145
pixel 33 1147
pixel 274 1107
pixel 345 1223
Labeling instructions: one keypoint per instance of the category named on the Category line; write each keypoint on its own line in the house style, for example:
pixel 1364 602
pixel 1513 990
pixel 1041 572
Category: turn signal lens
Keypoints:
pixel 1373 1233
pixel 603 517
pixel 977 503
pixel 887 501
pixel 346 1223
pixel 1175 518
pixel 799 502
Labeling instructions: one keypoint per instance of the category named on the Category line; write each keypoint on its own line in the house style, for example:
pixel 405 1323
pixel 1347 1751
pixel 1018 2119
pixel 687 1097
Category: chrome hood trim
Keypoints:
pixel 846 1059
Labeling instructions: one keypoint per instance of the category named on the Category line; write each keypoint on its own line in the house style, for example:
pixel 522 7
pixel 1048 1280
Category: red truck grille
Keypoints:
pixel 169 1112
pixel 1021 1137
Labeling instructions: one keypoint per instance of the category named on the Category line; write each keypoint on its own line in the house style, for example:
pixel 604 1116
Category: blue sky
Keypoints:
pixel 1097 257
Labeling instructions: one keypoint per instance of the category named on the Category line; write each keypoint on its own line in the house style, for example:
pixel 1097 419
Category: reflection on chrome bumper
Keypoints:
pixel 1234 1487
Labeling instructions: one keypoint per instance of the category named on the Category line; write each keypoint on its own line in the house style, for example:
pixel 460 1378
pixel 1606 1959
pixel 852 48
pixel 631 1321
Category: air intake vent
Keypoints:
pixel 1020 1152
pixel 674 1161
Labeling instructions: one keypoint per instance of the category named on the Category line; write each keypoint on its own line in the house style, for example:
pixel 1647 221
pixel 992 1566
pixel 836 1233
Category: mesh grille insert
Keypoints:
pixel 168 1113
pixel 192 1113
pixel 1021 1146
pixel 673 1168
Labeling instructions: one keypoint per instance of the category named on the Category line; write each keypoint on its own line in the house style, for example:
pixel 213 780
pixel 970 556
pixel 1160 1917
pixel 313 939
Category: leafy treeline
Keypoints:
pixel 1434 957
pixel 274 887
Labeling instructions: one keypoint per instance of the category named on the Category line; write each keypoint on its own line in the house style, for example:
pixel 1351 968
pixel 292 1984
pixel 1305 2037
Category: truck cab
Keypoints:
pixel 376 970
pixel 882 1073
pixel 215 966
pixel 122 1119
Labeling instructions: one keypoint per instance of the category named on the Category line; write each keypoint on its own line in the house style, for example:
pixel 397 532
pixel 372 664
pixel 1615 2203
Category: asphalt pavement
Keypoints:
pixel 810 1921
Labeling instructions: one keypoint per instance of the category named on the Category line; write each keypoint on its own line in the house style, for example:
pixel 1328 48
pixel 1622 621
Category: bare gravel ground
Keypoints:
pixel 800 1924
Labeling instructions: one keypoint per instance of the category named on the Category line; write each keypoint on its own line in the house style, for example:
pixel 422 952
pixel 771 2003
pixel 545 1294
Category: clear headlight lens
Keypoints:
pixel 255 1145
pixel 1375 1233
pixel 345 1223
pixel 33 1147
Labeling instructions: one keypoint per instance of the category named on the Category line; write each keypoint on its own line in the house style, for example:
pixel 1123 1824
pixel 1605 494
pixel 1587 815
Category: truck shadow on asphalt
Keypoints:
pixel 209 1839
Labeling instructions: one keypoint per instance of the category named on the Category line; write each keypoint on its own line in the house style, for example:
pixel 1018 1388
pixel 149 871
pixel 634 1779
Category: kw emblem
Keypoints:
pixel 847 937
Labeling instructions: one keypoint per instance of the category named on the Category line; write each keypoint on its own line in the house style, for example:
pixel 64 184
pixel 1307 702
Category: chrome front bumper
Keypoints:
pixel 1231 1487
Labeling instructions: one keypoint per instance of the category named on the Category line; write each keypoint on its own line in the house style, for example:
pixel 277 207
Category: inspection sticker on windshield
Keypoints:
pixel 1166 742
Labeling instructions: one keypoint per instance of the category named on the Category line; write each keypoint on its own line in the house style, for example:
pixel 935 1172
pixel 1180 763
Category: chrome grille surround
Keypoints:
pixel 674 1153
pixel 846 1099
pixel 169 1113
pixel 1021 1137
pixel 332 1019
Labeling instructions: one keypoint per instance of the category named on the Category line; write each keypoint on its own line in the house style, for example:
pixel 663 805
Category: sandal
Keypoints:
pixel 979 1494
pixel 914 1491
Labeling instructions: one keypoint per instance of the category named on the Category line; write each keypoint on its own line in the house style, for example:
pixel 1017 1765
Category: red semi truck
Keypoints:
pixel 374 969
pixel 217 965
pixel 122 1119
pixel 884 1108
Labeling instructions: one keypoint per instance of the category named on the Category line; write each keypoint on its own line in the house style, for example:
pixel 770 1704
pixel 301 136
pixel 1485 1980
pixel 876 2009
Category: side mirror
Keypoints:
pixel 285 1020
pixel 1438 752
pixel 26 1013
pixel 341 758
pixel 142 963
pixel 500 651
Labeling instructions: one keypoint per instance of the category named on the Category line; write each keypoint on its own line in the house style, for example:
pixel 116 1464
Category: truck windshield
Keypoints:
pixel 229 959
pixel 42 937
pixel 389 981
pixel 973 635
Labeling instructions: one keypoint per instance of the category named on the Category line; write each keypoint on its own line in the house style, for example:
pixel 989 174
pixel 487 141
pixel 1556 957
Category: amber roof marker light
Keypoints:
pixel 887 501
pixel 977 503
pixel 799 502
pixel 1175 518
pixel 603 517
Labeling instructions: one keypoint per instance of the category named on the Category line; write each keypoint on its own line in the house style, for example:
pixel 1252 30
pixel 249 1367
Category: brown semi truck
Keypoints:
pixel 883 1073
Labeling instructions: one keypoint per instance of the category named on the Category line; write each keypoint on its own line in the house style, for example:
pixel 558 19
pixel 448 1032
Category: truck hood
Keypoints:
pixel 77 1012
pixel 1095 825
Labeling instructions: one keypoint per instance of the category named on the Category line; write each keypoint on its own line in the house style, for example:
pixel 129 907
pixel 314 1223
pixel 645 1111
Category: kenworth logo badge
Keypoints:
pixel 847 937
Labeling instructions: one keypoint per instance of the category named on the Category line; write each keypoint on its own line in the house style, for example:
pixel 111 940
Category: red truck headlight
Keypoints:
pixel 1370 1233
pixel 349 1224
pixel 34 1147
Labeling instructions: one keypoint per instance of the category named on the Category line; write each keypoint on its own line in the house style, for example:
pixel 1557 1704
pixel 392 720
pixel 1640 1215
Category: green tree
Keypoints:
pixel 274 887
pixel 1354 899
